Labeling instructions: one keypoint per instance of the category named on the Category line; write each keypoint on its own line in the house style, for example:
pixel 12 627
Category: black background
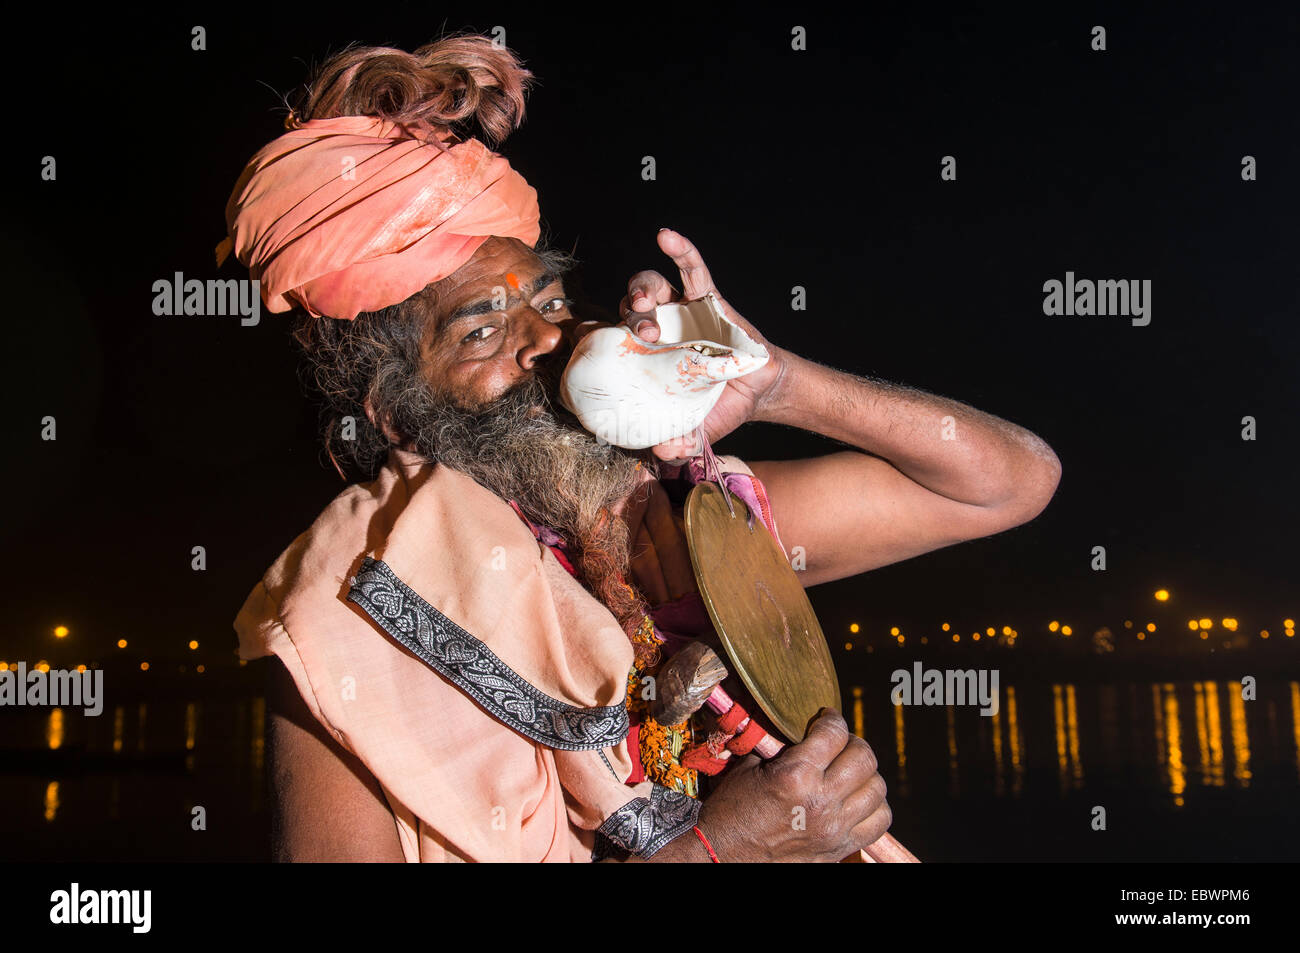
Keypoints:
pixel 817 168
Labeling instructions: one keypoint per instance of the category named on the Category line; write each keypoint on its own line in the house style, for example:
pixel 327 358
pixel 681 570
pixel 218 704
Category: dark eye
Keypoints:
pixel 476 336
pixel 556 304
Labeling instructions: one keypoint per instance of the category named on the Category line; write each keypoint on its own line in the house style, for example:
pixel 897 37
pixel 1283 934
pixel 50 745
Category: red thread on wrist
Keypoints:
pixel 707 846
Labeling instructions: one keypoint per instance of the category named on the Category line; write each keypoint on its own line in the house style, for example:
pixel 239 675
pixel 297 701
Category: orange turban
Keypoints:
pixel 355 214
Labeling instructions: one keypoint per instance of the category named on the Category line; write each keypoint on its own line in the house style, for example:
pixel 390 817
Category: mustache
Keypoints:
pixel 530 406
pixel 520 430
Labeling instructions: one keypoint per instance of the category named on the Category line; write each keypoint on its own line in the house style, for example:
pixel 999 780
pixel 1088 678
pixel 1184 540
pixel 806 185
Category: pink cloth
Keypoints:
pixel 355 214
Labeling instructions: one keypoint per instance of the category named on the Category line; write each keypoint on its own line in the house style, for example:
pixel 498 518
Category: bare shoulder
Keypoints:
pixel 326 805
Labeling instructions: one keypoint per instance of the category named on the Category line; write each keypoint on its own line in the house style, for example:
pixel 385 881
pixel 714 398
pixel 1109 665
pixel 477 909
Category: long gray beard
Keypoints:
pixel 525 446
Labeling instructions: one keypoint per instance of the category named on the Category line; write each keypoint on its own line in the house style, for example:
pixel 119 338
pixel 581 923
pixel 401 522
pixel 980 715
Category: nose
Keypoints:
pixel 541 341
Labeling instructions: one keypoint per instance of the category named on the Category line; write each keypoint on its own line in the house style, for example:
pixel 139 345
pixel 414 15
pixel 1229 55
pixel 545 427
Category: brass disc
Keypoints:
pixel 761 612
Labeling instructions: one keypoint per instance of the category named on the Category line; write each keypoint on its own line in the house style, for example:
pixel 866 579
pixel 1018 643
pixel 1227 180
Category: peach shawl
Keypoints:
pixel 433 636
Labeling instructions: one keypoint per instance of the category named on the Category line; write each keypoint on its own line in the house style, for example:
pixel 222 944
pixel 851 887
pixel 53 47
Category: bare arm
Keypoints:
pixel 327 806
pixel 937 472
pixel 934 472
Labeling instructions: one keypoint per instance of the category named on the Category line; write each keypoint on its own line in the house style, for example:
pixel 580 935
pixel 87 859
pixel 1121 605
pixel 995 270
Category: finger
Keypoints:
pixel 826 738
pixel 865 801
pixel 873 828
pixel 852 766
pixel 644 326
pixel 696 280
pixel 646 289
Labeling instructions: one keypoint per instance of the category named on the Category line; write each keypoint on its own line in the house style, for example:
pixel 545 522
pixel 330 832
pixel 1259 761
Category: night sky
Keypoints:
pixel 817 168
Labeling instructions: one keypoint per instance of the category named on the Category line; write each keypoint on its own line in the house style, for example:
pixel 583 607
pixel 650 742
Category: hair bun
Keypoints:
pixel 457 82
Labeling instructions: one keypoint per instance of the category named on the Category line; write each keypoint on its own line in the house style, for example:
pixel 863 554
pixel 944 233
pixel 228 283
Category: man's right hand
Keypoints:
pixel 819 800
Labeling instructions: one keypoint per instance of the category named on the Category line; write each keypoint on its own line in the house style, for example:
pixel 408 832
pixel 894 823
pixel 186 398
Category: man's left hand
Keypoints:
pixel 742 397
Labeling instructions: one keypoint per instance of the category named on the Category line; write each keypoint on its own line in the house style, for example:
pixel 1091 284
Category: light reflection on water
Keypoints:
pixel 1295 721
pixel 51 800
pixel 1173 716
pixel 1016 740
pixel 1046 742
pixel 1069 769
pixel 900 744
pixel 1240 739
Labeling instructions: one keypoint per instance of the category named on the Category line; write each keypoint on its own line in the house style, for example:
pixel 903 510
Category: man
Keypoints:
pixel 454 684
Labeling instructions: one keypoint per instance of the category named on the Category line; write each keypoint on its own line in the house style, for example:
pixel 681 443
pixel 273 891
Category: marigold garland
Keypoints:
pixel 661 746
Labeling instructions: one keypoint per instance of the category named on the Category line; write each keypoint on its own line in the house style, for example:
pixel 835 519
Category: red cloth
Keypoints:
pixel 634 752
pixel 744 742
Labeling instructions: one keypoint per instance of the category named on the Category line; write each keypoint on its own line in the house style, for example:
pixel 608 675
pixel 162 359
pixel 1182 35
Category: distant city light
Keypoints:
pixel 1191 624
pixel 144 666
pixel 1230 625
pixel 121 643
pixel 1066 630
pixel 894 631
pixel 1162 595
pixel 61 632
pixel 975 637
pixel 1053 626
pixel 848 646
pixel 1151 626
pixel 1206 623
pixel 956 637
pixel 854 628
pixel 944 627
pixel 193 645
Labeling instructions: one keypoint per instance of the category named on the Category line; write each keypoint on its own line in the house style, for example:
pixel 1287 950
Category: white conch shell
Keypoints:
pixel 635 394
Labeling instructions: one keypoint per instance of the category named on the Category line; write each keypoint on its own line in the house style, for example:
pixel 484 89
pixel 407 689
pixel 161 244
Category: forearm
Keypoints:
pixel 948 447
